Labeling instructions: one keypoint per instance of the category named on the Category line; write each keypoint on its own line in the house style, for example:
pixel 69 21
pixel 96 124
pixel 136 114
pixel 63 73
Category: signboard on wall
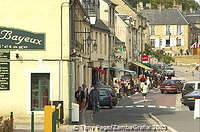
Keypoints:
pixel 11 38
pixel 4 71
pixel 145 58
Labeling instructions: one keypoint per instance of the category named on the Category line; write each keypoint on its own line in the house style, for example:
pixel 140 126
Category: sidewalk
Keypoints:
pixel 179 121
pixel 24 126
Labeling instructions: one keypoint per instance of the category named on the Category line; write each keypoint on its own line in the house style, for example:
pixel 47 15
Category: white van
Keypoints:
pixel 190 86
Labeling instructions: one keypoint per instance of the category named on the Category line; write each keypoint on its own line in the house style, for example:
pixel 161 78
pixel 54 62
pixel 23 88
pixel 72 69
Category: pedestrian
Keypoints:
pixel 145 91
pixel 94 96
pixel 148 82
pixel 85 89
pixel 142 81
pixel 116 87
pixel 79 95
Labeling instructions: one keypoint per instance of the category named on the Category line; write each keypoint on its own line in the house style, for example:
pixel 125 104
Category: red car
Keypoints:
pixel 174 86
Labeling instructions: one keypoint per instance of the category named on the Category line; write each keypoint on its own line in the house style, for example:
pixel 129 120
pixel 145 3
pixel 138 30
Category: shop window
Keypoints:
pixel 153 43
pixel 39 90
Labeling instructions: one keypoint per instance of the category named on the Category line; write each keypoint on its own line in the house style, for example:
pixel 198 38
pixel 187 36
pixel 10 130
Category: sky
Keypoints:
pixel 198 1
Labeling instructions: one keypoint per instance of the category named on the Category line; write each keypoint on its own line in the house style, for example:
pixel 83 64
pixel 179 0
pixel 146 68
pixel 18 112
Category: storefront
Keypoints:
pixel 35 67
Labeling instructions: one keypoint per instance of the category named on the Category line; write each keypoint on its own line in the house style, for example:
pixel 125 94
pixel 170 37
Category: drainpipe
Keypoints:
pixel 68 5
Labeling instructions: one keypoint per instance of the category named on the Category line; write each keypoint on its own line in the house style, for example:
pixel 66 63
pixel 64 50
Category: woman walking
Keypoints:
pixel 145 90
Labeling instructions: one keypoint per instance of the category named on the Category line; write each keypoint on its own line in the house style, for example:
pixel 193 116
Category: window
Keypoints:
pixel 179 32
pixel 189 86
pixel 198 85
pixel 152 30
pixel 105 44
pixel 178 42
pixel 168 43
pixel 153 43
pixel 168 30
pixel 97 40
pixel 100 42
pixel 39 90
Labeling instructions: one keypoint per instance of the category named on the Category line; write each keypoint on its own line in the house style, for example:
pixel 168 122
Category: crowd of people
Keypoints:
pixel 123 87
pixel 82 97
pixel 146 81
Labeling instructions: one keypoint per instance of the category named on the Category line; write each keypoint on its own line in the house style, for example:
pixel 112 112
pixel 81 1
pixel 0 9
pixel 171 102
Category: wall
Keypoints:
pixel 40 16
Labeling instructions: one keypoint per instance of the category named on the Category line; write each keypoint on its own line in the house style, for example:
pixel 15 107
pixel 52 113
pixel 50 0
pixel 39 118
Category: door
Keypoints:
pixel 39 90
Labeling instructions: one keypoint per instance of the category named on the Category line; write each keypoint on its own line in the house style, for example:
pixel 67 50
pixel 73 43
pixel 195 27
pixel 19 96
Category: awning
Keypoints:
pixel 123 70
pixel 142 65
pixel 102 71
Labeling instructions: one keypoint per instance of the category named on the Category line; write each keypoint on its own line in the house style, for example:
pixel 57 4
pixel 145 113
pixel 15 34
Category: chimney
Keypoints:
pixel 148 5
pixel 140 6
pixel 160 7
pixel 191 10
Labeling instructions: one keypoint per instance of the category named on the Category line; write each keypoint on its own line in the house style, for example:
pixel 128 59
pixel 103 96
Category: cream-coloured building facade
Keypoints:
pixel 169 30
pixel 40 75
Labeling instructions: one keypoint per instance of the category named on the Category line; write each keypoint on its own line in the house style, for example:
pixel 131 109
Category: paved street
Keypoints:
pixel 133 110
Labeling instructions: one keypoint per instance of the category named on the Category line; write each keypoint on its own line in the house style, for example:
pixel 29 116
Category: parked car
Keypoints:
pixel 190 86
pixel 189 98
pixel 174 86
pixel 114 96
pixel 105 98
pixel 169 71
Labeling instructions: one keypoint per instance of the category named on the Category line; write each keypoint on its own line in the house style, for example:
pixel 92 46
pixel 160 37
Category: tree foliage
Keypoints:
pixel 159 54
pixel 187 4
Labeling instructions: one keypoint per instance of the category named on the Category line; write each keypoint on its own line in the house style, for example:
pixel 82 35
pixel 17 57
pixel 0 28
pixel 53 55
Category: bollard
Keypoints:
pixel 54 121
pixel 197 109
pixel 32 121
pixel 11 120
pixel 48 118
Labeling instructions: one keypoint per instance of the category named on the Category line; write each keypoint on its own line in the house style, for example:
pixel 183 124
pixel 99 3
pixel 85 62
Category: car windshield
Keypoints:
pixel 189 86
pixel 169 82
pixel 103 92
pixel 169 68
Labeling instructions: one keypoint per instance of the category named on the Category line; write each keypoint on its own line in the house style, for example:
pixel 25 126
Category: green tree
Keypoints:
pixel 187 4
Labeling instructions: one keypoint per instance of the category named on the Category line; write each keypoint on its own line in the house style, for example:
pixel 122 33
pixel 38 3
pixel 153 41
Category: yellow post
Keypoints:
pixel 48 112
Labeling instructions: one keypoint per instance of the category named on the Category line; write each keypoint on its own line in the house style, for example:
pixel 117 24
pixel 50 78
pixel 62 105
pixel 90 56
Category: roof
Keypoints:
pixel 118 41
pixel 165 16
pixel 109 2
pixel 100 25
pixel 193 19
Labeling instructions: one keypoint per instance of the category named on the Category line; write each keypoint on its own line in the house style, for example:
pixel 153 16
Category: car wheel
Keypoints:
pixel 162 92
pixel 191 107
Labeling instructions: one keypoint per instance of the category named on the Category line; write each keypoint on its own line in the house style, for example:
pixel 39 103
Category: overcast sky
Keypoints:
pixel 198 1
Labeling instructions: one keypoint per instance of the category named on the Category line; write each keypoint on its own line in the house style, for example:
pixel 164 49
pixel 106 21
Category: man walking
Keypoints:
pixel 79 95
pixel 94 97
pixel 85 89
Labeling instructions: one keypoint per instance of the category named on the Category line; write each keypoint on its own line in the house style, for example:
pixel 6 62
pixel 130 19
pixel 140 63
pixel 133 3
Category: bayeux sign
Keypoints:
pixel 11 38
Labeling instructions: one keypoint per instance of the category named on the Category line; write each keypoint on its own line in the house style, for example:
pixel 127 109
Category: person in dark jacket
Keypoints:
pixel 94 96
pixel 80 96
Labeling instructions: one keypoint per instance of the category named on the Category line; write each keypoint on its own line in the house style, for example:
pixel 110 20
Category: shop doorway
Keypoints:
pixel 40 86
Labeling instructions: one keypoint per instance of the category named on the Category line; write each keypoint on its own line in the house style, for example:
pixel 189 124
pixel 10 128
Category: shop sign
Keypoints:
pixel 4 55
pixel 145 58
pixel 11 38
pixel 4 75
pixel 4 70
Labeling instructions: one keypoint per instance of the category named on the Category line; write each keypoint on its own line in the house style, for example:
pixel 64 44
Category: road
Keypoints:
pixel 133 110
pixel 187 74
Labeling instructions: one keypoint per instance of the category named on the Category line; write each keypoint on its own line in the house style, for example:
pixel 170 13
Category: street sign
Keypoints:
pixel 145 58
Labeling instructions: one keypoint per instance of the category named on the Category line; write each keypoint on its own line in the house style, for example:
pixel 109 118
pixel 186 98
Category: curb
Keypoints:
pixel 161 123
